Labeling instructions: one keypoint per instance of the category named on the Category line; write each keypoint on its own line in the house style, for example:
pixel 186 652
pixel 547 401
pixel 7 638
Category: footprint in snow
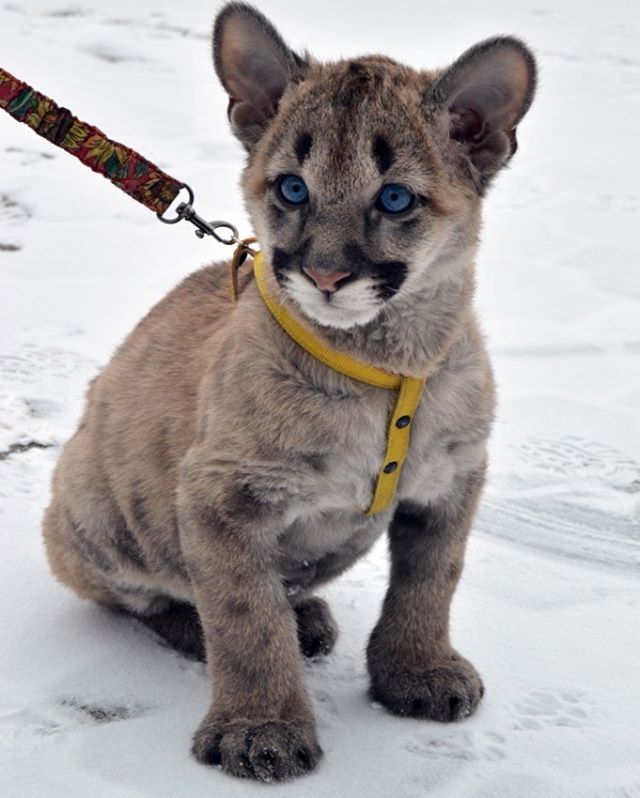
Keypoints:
pixel 27 157
pixel 541 709
pixel 13 212
pixel 95 712
pixel 591 461
pixel 450 745
pixel 490 746
pixel 33 723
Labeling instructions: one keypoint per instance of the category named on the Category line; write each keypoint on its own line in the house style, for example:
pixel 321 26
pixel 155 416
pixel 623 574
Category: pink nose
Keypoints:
pixel 326 282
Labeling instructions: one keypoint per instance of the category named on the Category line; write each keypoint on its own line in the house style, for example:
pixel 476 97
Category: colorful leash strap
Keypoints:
pixel 124 167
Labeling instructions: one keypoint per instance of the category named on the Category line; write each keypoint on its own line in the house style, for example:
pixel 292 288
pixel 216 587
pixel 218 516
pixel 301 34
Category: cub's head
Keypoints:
pixel 365 177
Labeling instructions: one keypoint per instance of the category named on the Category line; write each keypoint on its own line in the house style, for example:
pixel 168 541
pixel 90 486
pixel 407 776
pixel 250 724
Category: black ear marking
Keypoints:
pixel 255 66
pixel 481 99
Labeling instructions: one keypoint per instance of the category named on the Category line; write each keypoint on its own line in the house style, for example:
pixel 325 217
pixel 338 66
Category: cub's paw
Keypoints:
pixel 266 751
pixel 448 690
pixel 317 630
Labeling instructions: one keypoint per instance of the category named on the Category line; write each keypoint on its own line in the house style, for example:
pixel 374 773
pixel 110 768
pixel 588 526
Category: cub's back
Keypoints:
pixel 141 410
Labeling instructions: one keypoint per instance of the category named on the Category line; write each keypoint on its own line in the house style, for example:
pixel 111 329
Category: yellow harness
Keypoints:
pixel 409 389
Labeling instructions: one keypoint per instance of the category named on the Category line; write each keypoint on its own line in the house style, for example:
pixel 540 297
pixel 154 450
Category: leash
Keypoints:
pixel 155 189
pixel 125 168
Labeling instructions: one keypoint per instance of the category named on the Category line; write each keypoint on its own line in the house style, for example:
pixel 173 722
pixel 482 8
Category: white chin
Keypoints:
pixel 329 316
pixel 352 306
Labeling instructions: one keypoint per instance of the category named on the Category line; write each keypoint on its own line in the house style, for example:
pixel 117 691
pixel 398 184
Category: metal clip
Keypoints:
pixel 187 212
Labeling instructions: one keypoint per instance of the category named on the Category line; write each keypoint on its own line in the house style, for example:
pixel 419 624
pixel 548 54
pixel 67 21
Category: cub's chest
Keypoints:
pixel 353 453
pixel 346 444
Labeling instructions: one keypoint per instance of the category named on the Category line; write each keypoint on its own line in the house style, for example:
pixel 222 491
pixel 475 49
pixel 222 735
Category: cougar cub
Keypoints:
pixel 221 473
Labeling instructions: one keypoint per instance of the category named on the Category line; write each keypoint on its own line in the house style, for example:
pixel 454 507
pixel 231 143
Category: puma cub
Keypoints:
pixel 221 473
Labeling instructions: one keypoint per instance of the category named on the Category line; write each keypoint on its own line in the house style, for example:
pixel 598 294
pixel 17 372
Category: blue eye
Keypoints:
pixel 293 190
pixel 394 199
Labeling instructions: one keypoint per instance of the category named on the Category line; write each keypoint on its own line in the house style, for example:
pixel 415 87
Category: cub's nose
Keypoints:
pixel 326 282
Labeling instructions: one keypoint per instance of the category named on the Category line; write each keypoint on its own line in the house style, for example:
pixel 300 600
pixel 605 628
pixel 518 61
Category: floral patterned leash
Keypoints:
pixel 124 167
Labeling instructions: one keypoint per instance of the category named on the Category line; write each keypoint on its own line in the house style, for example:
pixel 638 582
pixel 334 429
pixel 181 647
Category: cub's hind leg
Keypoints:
pixel 78 561
pixel 317 629
pixel 89 547
pixel 75 560
pixel 178 625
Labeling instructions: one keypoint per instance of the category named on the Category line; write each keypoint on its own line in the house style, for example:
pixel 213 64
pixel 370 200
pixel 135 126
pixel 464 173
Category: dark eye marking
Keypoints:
pixel 409 224
pixel 303 147
pixel 276 215
pixel 382 154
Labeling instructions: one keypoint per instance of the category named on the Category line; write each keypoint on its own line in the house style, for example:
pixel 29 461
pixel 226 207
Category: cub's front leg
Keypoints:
pixel 414 669
pixel 260 724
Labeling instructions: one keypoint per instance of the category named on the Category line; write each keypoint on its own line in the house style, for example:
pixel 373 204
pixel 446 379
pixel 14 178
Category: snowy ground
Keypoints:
pixel 548 606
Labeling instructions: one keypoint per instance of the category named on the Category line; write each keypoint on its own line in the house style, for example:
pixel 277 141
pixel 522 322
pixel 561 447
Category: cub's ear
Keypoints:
pixel 254 66
pixel 481 98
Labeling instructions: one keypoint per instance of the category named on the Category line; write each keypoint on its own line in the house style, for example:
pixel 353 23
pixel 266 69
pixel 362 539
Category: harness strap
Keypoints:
pixel 124 167
pixel 410 390
pixel 398 439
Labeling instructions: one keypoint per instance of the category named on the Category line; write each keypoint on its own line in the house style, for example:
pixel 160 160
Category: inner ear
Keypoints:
pixel 481 99
pixel 255 66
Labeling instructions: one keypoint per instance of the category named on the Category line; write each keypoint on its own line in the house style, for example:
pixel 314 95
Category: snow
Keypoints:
pixel 548 605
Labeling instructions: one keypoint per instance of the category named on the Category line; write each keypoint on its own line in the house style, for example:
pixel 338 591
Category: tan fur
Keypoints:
pixel 219 465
